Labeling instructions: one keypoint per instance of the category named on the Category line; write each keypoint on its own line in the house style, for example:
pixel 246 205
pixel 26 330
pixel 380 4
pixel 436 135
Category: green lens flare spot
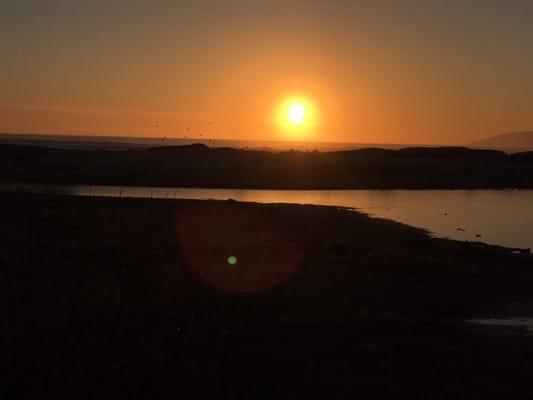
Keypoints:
pixel 232 260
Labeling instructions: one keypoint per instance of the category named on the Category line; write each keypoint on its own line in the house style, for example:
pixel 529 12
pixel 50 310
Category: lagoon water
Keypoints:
pixel 502 217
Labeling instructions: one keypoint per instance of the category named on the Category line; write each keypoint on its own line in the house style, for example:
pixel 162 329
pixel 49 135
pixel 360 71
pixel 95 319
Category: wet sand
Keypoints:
pixel 134 297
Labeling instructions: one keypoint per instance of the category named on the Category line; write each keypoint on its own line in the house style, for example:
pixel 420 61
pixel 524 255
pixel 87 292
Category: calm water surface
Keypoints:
pixel 525 323
pixel 503 217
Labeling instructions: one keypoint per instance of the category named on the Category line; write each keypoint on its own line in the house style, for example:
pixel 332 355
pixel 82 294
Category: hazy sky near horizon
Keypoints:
pixel 412 71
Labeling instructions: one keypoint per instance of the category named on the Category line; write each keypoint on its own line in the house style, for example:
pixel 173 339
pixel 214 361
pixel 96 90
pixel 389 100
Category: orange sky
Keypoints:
pixel 381 71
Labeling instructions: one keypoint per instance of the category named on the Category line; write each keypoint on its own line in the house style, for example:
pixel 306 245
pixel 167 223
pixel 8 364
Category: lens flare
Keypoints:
pixel 267 254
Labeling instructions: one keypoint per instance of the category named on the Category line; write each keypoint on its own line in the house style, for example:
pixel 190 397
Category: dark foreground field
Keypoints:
pixel 128 298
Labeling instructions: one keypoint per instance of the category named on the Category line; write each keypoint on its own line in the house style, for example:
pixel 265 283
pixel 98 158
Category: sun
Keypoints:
pixel 296 117
pixel 296 113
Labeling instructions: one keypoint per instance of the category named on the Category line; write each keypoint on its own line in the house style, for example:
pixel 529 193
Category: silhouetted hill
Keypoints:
pixel 194 146
pixel 201 166
pixel 512 140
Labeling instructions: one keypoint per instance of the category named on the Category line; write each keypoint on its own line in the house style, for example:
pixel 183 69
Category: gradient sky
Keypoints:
pixel 412 71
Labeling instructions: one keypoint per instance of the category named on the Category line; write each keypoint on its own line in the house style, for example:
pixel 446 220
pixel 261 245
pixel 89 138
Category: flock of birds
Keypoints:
pixel 188 130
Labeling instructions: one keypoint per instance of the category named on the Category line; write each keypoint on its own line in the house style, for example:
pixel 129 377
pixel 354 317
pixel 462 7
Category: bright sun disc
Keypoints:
pixel 296 113
pixel 296 117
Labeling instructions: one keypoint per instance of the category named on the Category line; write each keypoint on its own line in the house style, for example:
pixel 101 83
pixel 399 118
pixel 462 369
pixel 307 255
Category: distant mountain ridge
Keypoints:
pixel 514 140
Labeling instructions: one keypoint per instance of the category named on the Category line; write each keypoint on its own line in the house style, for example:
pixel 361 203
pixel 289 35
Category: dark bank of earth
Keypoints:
pixel 110 298
pixel 201 166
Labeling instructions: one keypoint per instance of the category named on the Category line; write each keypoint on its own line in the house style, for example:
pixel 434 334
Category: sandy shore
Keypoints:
pixel 204 299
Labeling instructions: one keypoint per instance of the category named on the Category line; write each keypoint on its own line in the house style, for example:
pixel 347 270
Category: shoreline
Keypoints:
pixel 445 213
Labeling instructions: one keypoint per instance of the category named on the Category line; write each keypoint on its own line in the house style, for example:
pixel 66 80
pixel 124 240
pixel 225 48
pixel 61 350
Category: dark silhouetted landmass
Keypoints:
pixel 200 166
pixel 102 296
pixel 511 140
